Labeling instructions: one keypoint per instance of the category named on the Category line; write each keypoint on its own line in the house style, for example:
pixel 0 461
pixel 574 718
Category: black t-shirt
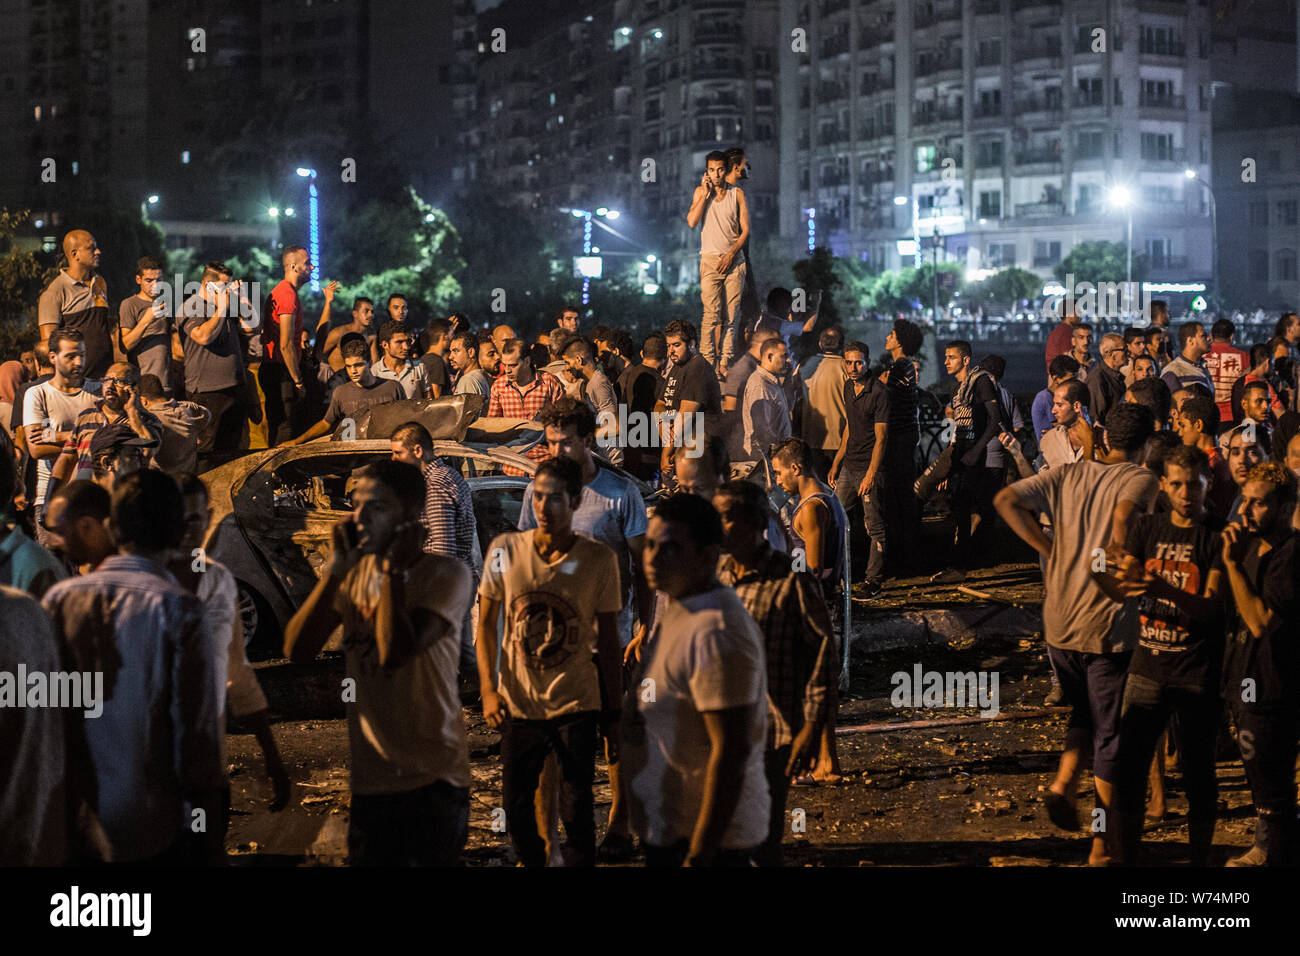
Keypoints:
pixel 694 381
pixel 637 387
pixel 1271 661
pixel 903 403
pixel 1174 648
pixel 353 401
pixel 862 412
pixel 435 368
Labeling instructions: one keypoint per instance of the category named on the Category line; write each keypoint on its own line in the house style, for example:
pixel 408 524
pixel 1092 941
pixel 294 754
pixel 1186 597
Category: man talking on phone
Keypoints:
pixel 723 267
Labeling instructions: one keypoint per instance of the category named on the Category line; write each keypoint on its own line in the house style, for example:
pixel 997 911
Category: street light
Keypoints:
pixel 313 226
pixel 1122 199
pixel 585 215
pixel 152 200
pixel 1214 228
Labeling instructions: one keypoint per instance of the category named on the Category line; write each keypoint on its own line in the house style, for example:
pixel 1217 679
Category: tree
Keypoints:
pixel 23 273
pixel 1007 286
pixel 1100 261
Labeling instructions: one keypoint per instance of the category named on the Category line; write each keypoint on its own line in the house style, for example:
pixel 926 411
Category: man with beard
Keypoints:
pixel 119 405
pixel 401 611
pixel 51 408
pixel 1262 666
pixel 281 379
pixel 856 472
pixel 691 389
pixel 462 356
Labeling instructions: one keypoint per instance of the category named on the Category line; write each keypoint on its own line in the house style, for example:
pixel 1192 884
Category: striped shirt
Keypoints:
pixel 448 516
pixel 798 641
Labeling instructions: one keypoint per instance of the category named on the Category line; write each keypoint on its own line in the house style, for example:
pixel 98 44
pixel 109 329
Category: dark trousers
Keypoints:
pixel 778 786
pixel 1146 711
pixel 971 492
pixel 675 855
pixel 1266 735
pixel 222 439
pixel 281 402
pixel 902 510
pixel 525 745
pixel 873 514
pixel 424 827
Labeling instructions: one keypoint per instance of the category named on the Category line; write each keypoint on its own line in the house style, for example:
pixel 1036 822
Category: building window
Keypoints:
pixel 988 153
pixel 1286 213
pixel 1047 252
pixel 1258 259
pixel 1089 144
pixel 1002 255
pixel 990 206
pixel 1259 212
pixel 763 60
pixel 1158 251
pixel 925 158
pixel 1159 146
pixel 1286 265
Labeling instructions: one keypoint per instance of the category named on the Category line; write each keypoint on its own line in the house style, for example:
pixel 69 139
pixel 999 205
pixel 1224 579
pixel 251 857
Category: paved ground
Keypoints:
pixel 966 794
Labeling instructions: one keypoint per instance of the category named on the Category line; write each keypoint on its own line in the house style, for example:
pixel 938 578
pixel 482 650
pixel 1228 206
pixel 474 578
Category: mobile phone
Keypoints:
pixel 351 535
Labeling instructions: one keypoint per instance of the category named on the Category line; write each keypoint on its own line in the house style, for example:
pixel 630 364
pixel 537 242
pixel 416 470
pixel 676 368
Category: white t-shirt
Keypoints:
pixel 706 654
pixel 47 410
pixel 548 668
pixel 405 728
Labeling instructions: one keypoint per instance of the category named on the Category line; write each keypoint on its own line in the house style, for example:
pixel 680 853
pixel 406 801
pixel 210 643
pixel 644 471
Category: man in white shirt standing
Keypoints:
pixel 694 746
pixel 395 363
pixel 51 408
pixel 723 267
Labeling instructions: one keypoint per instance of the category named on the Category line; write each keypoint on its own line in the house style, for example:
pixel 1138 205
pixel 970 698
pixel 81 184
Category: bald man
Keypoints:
pixel 501 335
pixel 77 299
pixel 1106 384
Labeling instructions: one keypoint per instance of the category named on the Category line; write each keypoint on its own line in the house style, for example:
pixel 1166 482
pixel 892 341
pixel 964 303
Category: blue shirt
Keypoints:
pixel 158 740
pixel 27 566
pixel 1041 414
pixel 612 512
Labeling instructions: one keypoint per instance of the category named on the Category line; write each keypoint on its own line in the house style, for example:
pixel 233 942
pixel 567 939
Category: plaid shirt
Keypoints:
pixel 448 516
pixel 508 400
pixel 798 640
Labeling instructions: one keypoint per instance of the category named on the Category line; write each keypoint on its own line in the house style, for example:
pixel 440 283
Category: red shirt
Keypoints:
pixel 1058 343
pixel 1226 364
pixel 1223 490
pixel 283 300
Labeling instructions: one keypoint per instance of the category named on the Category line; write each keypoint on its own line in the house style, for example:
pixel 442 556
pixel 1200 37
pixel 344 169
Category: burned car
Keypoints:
pixel 273 511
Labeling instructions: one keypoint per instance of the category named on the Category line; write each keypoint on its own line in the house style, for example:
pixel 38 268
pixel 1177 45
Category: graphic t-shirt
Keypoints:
pixel 83 307
pixel 1174 648
pixel 548 666
pixel 611 511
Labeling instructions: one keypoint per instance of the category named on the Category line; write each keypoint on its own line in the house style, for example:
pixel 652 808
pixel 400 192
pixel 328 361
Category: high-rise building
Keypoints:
pixel 997 130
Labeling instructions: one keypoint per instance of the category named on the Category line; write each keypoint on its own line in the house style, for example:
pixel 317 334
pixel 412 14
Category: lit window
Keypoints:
pixel 185 157
pixel 38 114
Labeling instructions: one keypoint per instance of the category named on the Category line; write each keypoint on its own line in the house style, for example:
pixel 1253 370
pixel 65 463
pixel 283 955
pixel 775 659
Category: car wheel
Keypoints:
pixel 260 631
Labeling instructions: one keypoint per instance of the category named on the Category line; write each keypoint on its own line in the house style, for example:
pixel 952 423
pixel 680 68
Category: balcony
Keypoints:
pixel 930 65
pixel 828 92
pixel 1175 155
pixel 831 7
pixel 829 137
pixel 728 104
pixel 716 33
pixel 988 212
pixel 987 59
pixel 924 114
pixel 1036 103
pixel 1039 154
pixel 1038 50
pixel 1161 47
pixel 835 45
pixel 868 37
pixel 1038 209
pixel 1083 99
pixel 987 110
pixel 725 67
pixel 834 179
pixel 1044 262
pixel 1163 101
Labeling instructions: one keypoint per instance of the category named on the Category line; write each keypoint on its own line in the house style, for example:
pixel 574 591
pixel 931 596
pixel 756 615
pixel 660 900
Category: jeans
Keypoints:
pixel 525 745
pixel 720 293
pixel 873 514
pixel 424 827
pixel 1146 710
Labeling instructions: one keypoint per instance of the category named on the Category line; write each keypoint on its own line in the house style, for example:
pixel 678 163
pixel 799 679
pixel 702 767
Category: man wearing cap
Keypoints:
pixel 116 452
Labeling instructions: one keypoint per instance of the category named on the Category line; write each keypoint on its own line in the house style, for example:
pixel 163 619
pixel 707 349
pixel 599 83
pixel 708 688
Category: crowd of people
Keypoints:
pixel 695 642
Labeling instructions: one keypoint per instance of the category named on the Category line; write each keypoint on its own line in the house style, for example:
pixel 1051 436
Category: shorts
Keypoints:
pixel 1093 685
